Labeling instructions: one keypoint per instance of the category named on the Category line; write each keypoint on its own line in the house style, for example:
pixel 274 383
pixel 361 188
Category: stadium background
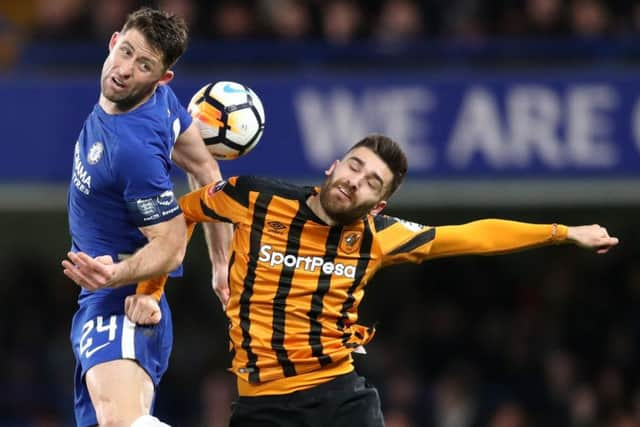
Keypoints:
pixel 522 109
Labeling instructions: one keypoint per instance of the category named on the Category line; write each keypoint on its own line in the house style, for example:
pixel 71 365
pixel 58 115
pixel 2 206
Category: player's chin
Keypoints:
pixel 114 96
pixel 339 207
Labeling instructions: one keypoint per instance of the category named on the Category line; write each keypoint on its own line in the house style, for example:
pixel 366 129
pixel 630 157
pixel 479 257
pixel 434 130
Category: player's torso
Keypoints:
pixel 98 217
pixel 290 272
pixel 109 150
pixel 289 248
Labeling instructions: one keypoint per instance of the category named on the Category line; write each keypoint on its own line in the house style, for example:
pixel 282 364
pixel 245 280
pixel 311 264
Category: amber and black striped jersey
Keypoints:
pixel 296 282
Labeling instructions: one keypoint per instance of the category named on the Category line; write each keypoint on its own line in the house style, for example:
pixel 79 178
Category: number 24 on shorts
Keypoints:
pixel 86 341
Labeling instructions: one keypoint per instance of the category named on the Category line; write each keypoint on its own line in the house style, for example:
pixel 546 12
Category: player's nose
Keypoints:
pixel 351 183
pixel 125 69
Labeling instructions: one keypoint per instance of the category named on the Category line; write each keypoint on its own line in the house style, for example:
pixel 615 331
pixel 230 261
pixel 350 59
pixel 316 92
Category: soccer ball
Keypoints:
pixel 230 117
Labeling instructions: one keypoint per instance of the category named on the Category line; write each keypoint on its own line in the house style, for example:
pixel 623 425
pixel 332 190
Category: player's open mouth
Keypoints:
pixel 118 83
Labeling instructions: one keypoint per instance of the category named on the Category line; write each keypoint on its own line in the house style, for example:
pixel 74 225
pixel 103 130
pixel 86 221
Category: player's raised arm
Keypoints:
pixel 191 154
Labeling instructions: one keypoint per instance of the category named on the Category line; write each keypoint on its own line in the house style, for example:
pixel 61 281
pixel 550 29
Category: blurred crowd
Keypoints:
pixel 548 337
pixel 335 21
pixel 330 23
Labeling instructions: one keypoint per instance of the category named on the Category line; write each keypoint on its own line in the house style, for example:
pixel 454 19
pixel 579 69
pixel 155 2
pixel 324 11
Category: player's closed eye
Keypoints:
pixel 374 184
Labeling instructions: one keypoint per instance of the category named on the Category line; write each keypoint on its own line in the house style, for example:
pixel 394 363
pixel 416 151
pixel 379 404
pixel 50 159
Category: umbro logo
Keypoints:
pixel 276 226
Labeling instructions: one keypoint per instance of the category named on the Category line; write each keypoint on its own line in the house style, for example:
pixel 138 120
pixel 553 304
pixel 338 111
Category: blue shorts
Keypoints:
pixel 100 334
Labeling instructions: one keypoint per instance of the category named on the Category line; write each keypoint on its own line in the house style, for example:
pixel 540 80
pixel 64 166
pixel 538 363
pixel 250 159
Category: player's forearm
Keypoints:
pixel 204 175
pixel 493 236
pixel 191 154
pixel 160 256
pixel 218 238
pixel 155 285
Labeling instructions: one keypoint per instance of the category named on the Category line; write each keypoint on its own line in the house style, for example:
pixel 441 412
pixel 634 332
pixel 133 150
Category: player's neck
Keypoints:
pixel 111 107
pixel 316 207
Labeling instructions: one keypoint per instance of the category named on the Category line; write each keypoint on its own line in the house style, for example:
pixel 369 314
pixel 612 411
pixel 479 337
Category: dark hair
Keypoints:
pixel 165 32
pixel 391 153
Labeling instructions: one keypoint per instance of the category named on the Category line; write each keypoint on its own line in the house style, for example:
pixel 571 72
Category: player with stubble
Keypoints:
pixel 300 262
pixel 126 225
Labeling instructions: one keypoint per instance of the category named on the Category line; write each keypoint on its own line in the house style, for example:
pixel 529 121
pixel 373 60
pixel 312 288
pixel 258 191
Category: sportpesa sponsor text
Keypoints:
pixel 307 263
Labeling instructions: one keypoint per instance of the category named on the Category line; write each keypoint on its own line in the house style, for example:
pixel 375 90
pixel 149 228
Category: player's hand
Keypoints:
pixel 89 273
pixel 220 285
pixel 142 309
pixel 592 237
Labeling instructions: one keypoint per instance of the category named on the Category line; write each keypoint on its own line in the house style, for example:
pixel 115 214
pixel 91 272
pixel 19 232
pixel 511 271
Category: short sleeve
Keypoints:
pixel 143 175
pixel 223 201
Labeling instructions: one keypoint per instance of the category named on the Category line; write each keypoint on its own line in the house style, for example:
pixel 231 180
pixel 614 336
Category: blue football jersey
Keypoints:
pixel 121 180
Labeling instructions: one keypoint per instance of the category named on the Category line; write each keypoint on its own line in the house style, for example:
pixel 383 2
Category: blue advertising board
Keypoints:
pixel 560 125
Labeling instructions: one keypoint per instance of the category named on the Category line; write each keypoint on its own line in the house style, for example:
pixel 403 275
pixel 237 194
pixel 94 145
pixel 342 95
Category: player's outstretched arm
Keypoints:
pixel 496 236
pixel 594 237
pixel 163 253
pixel 191 154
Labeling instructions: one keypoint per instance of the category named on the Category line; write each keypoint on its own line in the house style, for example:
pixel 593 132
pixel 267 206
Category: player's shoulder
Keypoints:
pixel 166 94
pixel 384 222
pixel 150 123
pixel 162 104
pixel 241 188
pixel 268 186
pixel 157 110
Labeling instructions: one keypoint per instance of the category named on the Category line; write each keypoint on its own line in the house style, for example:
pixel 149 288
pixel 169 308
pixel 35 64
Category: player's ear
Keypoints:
pixel 331 168
pixel 166 77
pixel 378 207
pixel 113 39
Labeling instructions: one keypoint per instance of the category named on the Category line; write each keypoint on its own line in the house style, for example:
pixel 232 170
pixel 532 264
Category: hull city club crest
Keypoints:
pixel 351 241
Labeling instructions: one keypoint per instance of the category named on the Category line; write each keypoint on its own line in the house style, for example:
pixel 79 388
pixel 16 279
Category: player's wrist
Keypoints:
pixel 560 233
pixel 118 273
